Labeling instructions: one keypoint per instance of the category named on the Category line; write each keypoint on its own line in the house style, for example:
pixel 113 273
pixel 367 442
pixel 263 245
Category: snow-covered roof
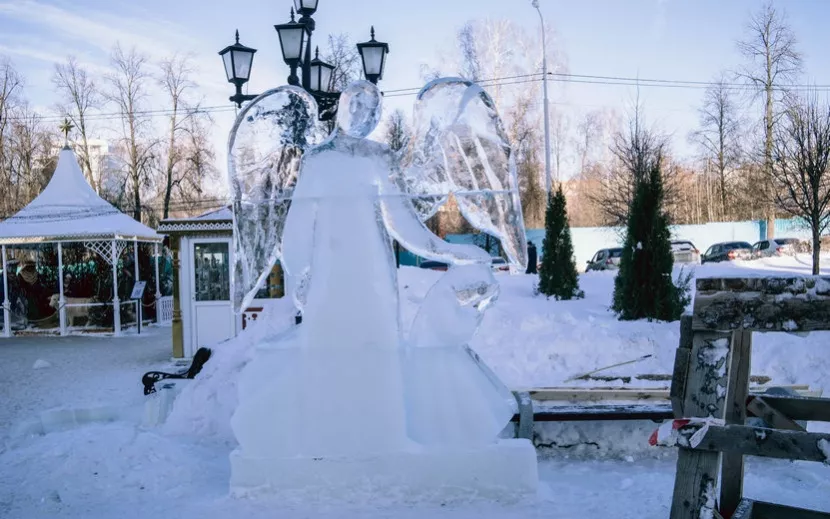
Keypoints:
pixel 68 209
pixel 212 221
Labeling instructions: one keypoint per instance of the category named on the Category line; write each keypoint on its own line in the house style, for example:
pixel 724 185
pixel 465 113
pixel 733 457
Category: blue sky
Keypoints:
pixel 672 39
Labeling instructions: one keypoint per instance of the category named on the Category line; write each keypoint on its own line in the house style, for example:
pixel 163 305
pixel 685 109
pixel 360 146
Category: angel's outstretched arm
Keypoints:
pixel 403 224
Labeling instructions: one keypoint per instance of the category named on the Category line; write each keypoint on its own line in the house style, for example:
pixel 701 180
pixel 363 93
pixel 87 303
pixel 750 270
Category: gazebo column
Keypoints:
pixel 116 303
pixel 138 302
pixel 62 299
pixel 178 328
pixel 7 318
pixel 158 283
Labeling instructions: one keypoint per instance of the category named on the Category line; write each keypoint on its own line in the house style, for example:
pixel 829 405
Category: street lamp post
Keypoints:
pixel 316 76
pixel 545 89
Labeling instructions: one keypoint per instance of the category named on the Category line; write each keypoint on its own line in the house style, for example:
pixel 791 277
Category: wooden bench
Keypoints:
pixel 570 404
pixel 710 386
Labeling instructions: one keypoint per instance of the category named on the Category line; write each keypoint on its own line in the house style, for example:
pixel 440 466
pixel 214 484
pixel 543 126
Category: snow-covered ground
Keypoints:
pixel 122 470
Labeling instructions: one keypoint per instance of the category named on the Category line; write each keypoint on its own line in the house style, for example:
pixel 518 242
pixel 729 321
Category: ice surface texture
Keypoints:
pixel 347 382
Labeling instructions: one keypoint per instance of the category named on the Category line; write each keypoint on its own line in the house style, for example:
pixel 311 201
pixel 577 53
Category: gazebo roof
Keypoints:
pixel 68 209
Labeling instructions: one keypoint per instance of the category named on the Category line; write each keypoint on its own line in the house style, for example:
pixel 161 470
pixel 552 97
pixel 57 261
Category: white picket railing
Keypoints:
pixel 165 309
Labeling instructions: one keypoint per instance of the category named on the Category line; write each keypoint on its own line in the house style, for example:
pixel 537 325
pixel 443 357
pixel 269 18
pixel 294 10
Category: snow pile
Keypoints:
pixel 824 447
pixel 204 407
pixel 41 364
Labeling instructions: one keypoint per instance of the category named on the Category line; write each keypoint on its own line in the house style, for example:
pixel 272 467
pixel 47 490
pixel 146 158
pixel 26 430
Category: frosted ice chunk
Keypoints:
pixel 265 149
pixel 459 147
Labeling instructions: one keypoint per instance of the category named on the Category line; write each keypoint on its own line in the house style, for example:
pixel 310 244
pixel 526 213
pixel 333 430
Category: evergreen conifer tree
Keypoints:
pixel 557 276
pixel 643 287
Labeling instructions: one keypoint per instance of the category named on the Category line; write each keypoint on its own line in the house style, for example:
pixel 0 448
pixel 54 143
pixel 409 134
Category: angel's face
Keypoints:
pixel 358 112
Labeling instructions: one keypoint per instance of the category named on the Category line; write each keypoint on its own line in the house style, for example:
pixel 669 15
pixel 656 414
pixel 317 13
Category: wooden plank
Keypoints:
pixel 737 390
pixel 597 395
pixel 575 394
pixel 763 510
pixel 574 413
pixel 800 407
pixel 778 420
pixel 682 359
pixel 791 304
pixel 757 441
pixel 695 484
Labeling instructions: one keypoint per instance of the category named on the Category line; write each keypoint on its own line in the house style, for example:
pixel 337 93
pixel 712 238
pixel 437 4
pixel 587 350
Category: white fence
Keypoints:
pixel 165 309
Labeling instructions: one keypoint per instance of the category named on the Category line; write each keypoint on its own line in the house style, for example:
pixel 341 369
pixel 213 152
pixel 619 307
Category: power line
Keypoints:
pixel 519 79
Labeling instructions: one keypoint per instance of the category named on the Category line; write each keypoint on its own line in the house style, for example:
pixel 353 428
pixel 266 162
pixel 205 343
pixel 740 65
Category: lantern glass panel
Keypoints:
pixel 228 61
pixel 372 59
pixel 242 63
pixel 291 39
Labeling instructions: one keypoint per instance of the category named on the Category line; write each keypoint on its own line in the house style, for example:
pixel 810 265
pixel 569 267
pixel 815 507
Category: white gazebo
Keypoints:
pixel 69 211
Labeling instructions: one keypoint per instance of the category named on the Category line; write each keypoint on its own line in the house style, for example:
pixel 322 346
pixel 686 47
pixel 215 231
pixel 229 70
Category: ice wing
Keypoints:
pixel 460 148
pixel 264 152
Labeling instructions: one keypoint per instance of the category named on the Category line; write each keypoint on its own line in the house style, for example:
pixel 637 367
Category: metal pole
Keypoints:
pixel 158 284
pixel 62 300
pixel 138 302
pixel 116 303
pixel 7 318
pixel 545 89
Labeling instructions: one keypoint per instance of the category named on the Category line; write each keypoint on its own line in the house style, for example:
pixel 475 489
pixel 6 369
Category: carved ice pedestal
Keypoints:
pixel 503 471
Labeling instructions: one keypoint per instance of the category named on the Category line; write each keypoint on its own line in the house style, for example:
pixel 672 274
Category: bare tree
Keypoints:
pixel 397 130
pixel 801 159
pixel 343 55
pixel 558 136
pixel 175 81
pixel 128 92
pixel 526 141
pixel 638 150
pixel 589 132
pixel 80 96
pixel 719 136
pixel 197 166
pixel 11 85
pixel 773 62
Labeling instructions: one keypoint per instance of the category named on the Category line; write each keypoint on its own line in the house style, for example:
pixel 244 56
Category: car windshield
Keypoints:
pixel 737 245
pixel 615 253
pixel 499 261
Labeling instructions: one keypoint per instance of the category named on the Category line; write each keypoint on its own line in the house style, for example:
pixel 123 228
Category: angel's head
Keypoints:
pixel 358 112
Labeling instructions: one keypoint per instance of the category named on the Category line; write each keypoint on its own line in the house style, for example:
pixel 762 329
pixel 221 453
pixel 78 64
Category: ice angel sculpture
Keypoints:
pixel 329 212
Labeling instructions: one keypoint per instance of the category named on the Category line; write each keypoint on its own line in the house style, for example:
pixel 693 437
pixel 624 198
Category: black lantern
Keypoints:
pixel 292 35
pixel 315 76
pixel 306 7
pixel 321 74
pixel 373 53
pixel 238 59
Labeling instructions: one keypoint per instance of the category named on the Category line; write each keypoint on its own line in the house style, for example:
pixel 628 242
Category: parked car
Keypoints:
pixel 727 251
pixel 499 265
pixel 776 247
pixel 605 259
pixel 433 265
pixel 685 252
